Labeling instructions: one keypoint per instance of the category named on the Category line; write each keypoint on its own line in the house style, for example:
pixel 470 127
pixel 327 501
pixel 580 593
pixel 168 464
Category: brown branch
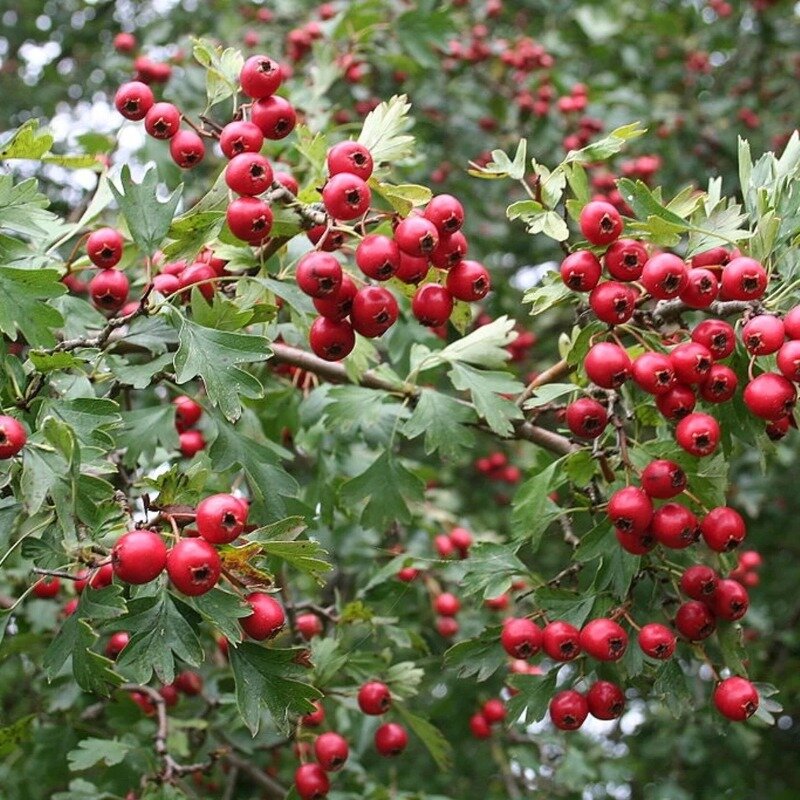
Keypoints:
pixel 550 375
pixel 670 309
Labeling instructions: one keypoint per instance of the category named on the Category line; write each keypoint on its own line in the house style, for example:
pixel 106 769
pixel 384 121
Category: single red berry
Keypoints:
pixel 350 157
pixel 691 362
pixel 12 436
pixel 663 479
pixel 720 384
pixel 664 276
pixel 193 565
pixel 698 434
pixel 309 626
pixel 750 559
pixel 336 307
pixel 736 698
pixel 581 271
pixel 378 256
pixel 715 257
pixel 444 547
pixel 607 365
pixel 187 412
pixel 412 270
pixel 346 196
pixel 319 274
pixel 267 616
pixel 561 641
pixel 249 218
pixel 139 556
pixel 568 710
pixel 133 100
pixel 677 403
pixel 109 289
pixel 770 396
pixel 701 288
pixel 791 323
pixel 605 700
pixel 101 577
pixel 240 137
pixel 600 222
pixel 479 726
pixel 47 587
pixel 763 335
pixel 723 529
pixel 636 544
pixel 189 682
pixel 695 621
pixel 274 116
pixel 162 121
pixel 675 526
pixel 116 644
pixel 657 641
pixel 730 601
pixel 451 250
pixel 408 574
pixel 789 360
pixel 187 149
pixel 494 710
pixel 432 305
pixel 447 627
pixel 248 174
pixel 653 372
pixel 326 238
pixel 331 751
pixel 170 694
pixel 604 639
pixel 166 284
pixel 104 247
pixel 221 518
pixel 416 236
pixel 446 213
pixel 124 42
pixel 699 582
pixel 201 275
pixel 630 510
pixel 311 782
pixel 374 698
pixel 717 336
pixel 469 281
pixel 314 718
pixel 391 739
pixel 743 279
pixel 374 311
pixel 586 418
pixel 191 443
pixel 625 259
pixel 260 77
pixel 447 605
pixel 613 302
pixel 461 539
pixel 521 637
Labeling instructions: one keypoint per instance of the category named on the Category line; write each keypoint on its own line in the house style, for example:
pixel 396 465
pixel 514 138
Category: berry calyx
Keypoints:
pixel 770 396
pixel 331 339
pixel 346 196
pixel 248 174
pixel 604 639
pixel 723 529
pixel 133 100
pixel 187 149
pixel 605 700
pixel 468 281
pixel 220 518
pixel 586 418
pixel 319 274
pixel 521 637
pixel 695 621
pixel 331 751
pixel 657 641
pixel 260 77
pixel 311 782
pixel 699 582
pixel 561 641
pixel 432 305
pixel 104 247
pixel 350 157
pixel 607 365
pixel 698 434
pixel 568 710
pixel 663 479
pixel 378 257
pixel 374 311
pixel 625 259
pixel 600 222
pixel 630 510
pixel 581 271
pixel 249 218
pixel 736 698
pixel 193 566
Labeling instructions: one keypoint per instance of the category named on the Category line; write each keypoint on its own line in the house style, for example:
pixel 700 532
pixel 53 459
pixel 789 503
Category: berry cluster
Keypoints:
pixel 495 467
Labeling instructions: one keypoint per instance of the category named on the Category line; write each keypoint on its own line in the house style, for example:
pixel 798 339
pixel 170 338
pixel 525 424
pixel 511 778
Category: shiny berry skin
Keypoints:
pixel 416 236
pixel 166 284
pixel 319 274
pixel 699 582
pixel 374 311
pixel 625 260
pixel 447 627
pixel 412 270
pixel 104 247
pixel 677 403
pixel 691 362
pixel 101 578
pixel 139 556
pixel 468 281
pixel 657 641
pixel 607 365
pixel 311 782
pixel 309 625
pixel 479 726
pixel 193 566
pixel 240 137
pixel 444 547
pixel 675 526
pixel 663 479
pixel 750 559
pixel 337 306
pixel 12 436
pixel 461 539
pixel 446 213
pixel 720 384
pixel 701 288
pixel 170 694
pixel 260 77
pixel 274 116
pixel 717 336
pixel 116 644
pixel 770 396
pixel 109 289
pixel 124 42
pixel 220 518
pixel 346 196
pixel 451 250
pixel 248 174
pixel 630 510
pixel 581 271
pixel 133 100
pixel 653 372
pixel 604 640
pixel 374 698
pixel 378 256
pixel 187 412
pixel 698 434
pixel 586 418
pixel 600 222
pixel 568 710
pixel 249 218
pixel 636 544
pixel 695 621
pixel 47 587
pixel 716 256
pixel 162 121
pixel 432 305
pixel 391 739
pixel 189 682
pixel 521 637
pixel 199 274
pixel 791 323
pixel 350 157
pixel 788 360
pixel 447 605
pixel 331 339
pixel 494 711
pixel 191 443
pixel 314 718
pixel 187 149
pixel 664 276
pixel 605 700
pixel 408 574
pixel 288 182
pixel 723 529
pixel 326 238
pixel 736 698
pixel 561 641
pixel 612 302
pixel 266 619
pixel 763 335
pixel 730 600
pixel 743 279
pixel 331 751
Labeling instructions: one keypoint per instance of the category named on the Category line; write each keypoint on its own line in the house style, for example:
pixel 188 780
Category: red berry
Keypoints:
pixel 350 157
pixel 770 396
pixel 750 559
pixel 221 518
pixel 447 605
pixel 600 222
pixel 374 698
pixel 412 270
pixel 494 710
pixel 267 616
pixel 763 335
pixel 374 311
pixel 12 436
pixel 124 42
pixel 691 362
pixel 416 236
pixel 791 323
pixel 287 181
pixel 337 306
pixel 378 257
pixel 736 698
pixel 117 643
pixel 479 726
pixel 730 601
pixel 274 116
pixel 101 578
pixel 191 443
pixel 331 339
pixel 581 271
pixel 311 782
pixel 432 305
pixel 743 279
pixel 586 418
pixel 133 100
pixel 326 238
pixel 248 174
pixel 170 694
pixel 701 288
pixel 309 625
pixel 695 621
pixel 199 274
pixel 331 751
pixel 521 637
pixel 139 556
pixel 314 718
pixel 630 510
pixel 450 251
pixel 677 403
pixel 446 213
pixel 391 739
pixel 568 710
pixel 104 247
pixel 789 360
pixel 193 566
pixel 699 582
pixel 612 302
pixel 346 196
pixel 657 641
pixel 675 526
pixel 720 384
pixel 408 574
pixel 162 121
pixel 653 372
pixel 604 640
pixel 723 529
pixel 187 412
pixel 189 682
pixel 240 137
pixel 716 256
pixel 469 281
pixel 319 274
pixel 663 479
pixel 260 77
pixel 607 365
pixel 625 260
pixel 664 276
pixel 109 289
pixel 249 218
pixel 444 547
pixel 605 700
pixel 461 539
pixel 166 284
pixel 717 336
pixel 561 641
pixel 446 627
pixel 187 149
pixel 698 434
pixel 636 544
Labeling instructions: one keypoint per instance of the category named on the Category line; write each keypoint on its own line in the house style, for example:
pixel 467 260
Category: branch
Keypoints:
pixel 670 309
pixel 256 775
pixel 550 375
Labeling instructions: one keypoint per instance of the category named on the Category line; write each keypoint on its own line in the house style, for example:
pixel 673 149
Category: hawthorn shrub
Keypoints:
pixel 293 496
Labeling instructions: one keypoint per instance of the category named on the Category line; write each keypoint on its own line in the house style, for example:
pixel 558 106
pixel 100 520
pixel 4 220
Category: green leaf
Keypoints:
pixel 390 489
pixel 501 166
pixel 304 555
pixel 434 740
pixel 27 141
pixel 443 420
pixel 384 131
pixel 146 429
pixel 422 34
pixel 605 148
pixel 597 542
pixel 221 610
pixel 16 734
pixel 564 605
pixel 484 347
pixel 481 656
pixel 550 293
pixel 213 356
pixel 487 390
pixel 270 679
pixel 490 568
pixel 671 685
pixel 222 69
pixel 23 209
pixel 548 393
pixel 616 571
pixel 646 203
pixel 23 293
pixel 534 693
pixel 533 509
pixel 402 198
pixel 97 751
pixel 148 217
pixel 581 466
pixel 524 209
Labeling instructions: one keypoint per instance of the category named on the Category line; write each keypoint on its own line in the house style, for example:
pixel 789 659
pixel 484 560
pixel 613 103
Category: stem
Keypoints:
pixel 550 375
